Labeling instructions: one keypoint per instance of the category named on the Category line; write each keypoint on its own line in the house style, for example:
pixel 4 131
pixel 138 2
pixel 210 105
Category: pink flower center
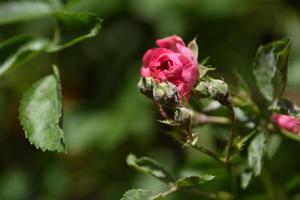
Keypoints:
pixel 165 64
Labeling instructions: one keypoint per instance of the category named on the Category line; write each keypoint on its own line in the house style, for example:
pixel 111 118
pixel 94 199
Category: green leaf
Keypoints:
pixel 204 61
pixel 138 194
pixel 193 181
pixel 19 49
pixel 273 145
pixel 256 153
pixel 246 179
pixel 241 141
pixel 282 49
pixel 17 11
pixel 270 68
pixel 241 96
pixel 204 70
pixel 74 28
pixel 264 71
pixel 149 166
pixel 40 114
pixel 290 135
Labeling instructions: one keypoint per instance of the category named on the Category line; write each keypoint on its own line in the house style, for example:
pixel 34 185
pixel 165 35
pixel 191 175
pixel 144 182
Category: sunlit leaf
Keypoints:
pixel 193 181
pixel 270 68
pixel 246 178
pixel 264 71
pixel 40 114
pixel 138 194
pixel 17 11
pixel 256 153
pixel 149 166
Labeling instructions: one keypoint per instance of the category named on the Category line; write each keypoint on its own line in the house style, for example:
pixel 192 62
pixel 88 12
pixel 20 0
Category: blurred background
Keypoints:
pixel 105 117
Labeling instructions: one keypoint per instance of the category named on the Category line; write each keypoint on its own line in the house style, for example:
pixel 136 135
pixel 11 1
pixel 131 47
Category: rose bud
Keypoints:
pixel 214 88
pixel 286 122
pixel 202 90
pixel 145 85
pixel 172 61
pixel 165 93
pixel 183 116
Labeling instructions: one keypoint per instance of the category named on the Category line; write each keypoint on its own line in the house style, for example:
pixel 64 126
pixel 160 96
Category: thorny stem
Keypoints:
pixel 208 153
pixel 232 178
pixel 191 143
pixel 200 118
pixel 174 188
pixel 166 193
pixel 229 148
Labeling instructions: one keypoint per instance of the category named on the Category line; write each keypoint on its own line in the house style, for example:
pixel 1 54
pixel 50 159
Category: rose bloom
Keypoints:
pixel 172 61
pixel 286 122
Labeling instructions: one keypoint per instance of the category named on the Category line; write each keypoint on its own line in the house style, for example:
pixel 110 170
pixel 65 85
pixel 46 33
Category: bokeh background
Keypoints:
pixel 105 117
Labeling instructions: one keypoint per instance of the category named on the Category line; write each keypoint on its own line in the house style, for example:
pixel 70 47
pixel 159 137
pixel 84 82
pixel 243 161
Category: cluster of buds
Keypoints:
pixel 163 93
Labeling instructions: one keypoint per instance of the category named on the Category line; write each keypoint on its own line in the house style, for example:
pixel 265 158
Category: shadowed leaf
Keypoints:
pixel 149 166
pixel 74 28
pixel 193 181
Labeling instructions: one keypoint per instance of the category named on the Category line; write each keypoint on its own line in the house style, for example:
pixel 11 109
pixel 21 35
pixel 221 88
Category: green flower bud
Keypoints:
pixel 165 93
pixel 218 90
pixel 183 116
pixel 201 89
pixel 145 85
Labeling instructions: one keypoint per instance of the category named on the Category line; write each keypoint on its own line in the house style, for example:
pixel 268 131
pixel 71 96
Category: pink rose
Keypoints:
pixel 286 122
pixel 172 61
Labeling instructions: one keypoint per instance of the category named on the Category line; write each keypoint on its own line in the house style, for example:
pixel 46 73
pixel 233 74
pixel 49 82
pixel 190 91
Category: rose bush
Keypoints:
pixel 172 61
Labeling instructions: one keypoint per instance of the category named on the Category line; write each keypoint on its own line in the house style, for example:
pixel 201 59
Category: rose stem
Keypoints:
pixel 194 146
pixel 229 148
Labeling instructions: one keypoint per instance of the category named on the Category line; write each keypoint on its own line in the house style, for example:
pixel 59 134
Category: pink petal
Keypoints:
pixel 145 72
pixel 170 42
pixel 287 122
pixel 147 57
